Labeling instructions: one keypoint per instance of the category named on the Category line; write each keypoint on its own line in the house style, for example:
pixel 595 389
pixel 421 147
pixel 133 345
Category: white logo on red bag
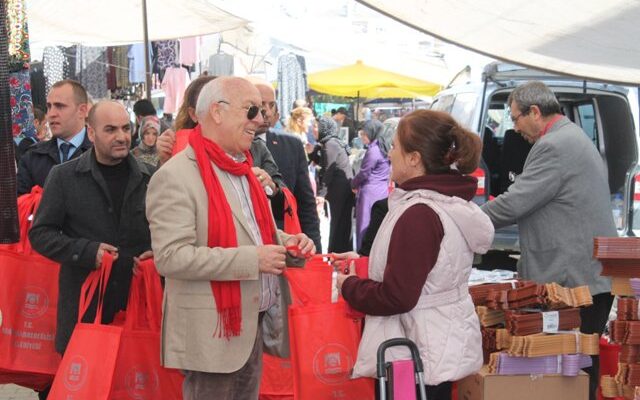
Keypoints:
pixel 76 374
pixel 142 383
pixel 35 302
pixel 332 364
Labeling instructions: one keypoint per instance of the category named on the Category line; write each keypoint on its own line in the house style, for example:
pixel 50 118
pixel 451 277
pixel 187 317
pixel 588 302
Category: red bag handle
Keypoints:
pixel 291 220
pixel 27 206
pixel 97 280
pixel 144 307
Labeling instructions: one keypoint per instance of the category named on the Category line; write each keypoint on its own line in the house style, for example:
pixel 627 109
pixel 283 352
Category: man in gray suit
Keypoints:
pixel 560 202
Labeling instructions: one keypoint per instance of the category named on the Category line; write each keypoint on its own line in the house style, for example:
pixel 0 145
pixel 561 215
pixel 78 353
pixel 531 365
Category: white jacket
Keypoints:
pixel 443 324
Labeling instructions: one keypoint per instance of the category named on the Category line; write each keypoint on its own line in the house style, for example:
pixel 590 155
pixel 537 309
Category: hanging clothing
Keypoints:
pixel 70 55
pixel 111 70
pixel 38 85
pixel 18 45
pixel 189 51
pixel 91 70
pixel 165 55
pixel 137 63
pixel 21 104
pixel 174 84
pixel 291 82
pixel 221 65
pixel 53 60
pixel 120 61
pixel 303 67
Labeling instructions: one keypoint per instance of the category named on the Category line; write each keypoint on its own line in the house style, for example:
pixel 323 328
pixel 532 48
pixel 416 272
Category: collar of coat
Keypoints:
pixel 51 147
pixel 137 169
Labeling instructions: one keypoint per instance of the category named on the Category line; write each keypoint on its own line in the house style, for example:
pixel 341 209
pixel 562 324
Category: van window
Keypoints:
pixel 444 103
pixel 498 120
pixel 463 108
pixel 586 113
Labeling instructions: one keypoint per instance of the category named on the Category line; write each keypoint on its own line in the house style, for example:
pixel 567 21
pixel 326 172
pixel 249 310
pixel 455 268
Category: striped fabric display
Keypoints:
pixel 635 286
pixel 529 294
pixel 479 292
pixel 625 332
pixel 489 317
pixel 612 389
pixel 553 344
pixel 522 323
pixel 566 364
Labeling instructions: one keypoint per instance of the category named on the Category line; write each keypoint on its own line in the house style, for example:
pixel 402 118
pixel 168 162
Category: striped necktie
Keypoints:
pixel 65 148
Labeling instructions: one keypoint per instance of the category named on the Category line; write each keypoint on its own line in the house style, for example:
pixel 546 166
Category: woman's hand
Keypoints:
pixel 349 255
pixel 350 271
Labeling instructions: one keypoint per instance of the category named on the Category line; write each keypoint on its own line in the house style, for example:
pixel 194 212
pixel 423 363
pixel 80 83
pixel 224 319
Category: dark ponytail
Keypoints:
pixel 468 148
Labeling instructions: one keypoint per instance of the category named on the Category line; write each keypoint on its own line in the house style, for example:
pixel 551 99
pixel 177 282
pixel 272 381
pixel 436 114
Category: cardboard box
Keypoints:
pixel 484 386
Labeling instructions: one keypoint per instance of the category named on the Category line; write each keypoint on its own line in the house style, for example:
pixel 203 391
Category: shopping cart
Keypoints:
pixel 401 375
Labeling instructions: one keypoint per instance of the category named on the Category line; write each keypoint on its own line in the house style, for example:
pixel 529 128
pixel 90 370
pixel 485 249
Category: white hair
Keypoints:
pixel 211 92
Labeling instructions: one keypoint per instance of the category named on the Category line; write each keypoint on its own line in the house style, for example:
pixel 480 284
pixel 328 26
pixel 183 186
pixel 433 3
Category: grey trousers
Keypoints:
pixel 243 384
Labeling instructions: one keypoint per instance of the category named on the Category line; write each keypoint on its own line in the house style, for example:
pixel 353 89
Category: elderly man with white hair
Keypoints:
pixel 215 241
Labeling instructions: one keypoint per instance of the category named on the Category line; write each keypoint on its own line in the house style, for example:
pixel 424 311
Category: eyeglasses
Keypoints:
pixel 522 114
pixel 252 111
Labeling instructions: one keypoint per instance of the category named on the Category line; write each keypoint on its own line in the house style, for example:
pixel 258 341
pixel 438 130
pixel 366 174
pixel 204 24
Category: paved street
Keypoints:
pixel 13 392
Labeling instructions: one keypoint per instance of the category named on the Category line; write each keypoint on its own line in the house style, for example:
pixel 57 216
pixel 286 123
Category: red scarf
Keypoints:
pixel 222 232
pixel 550 124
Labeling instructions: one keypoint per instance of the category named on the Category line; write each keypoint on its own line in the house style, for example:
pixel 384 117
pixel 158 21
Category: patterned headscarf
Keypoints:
pixel 147 122
pixel 327 128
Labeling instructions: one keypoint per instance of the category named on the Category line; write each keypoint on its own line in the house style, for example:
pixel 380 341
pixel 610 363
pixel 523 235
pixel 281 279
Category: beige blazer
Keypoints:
pixel 178 220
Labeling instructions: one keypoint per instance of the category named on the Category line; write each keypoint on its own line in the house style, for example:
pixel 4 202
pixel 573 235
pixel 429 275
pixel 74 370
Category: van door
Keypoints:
pixel 630 220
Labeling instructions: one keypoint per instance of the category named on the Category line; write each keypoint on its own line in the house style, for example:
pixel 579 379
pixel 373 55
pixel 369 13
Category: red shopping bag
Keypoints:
pixel 87 367
pixel 28 309
pixel 314 283
pixel 311 284
pixel 324 346
pixel 138 373
pixel 277 378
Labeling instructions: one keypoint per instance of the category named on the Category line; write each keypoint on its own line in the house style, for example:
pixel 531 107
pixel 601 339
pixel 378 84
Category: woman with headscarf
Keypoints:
pixel 335 173
pixel 146 150
pixel 372 181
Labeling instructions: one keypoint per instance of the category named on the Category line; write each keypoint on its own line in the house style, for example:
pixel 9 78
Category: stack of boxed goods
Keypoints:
pixel 531 340
pixel 620 259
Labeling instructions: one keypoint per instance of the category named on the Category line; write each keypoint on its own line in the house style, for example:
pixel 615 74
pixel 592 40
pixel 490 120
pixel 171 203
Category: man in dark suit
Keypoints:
pixel 67 106
pixel 289 154
pixel 91 205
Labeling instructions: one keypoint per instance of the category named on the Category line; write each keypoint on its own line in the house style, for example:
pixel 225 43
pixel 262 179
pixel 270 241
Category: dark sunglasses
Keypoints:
pixel 252 111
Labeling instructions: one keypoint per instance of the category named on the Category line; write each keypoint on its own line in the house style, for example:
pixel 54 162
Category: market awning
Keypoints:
pixel 116 22
pixel 591 39
pixel 360 80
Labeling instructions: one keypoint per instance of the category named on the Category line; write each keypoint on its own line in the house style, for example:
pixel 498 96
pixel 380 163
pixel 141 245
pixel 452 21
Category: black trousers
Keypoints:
pixel 341 202
pixel 594 320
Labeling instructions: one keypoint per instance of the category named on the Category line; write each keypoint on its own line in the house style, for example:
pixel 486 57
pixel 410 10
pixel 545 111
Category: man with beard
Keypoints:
pixel 91 205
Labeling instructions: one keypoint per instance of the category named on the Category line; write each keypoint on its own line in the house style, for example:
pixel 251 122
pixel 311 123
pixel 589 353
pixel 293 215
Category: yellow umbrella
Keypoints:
pixel 359 80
